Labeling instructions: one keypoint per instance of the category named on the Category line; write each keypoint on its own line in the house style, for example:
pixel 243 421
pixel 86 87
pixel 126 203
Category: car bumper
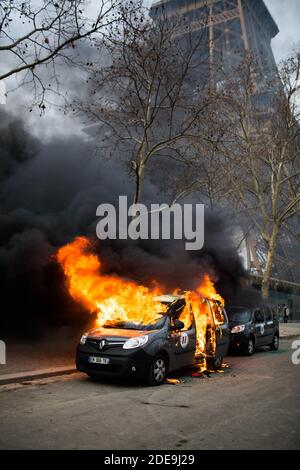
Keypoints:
pixel 134 364
pixel 238 341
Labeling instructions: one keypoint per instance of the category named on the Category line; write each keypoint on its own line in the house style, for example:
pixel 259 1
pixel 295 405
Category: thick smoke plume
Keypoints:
pixel 49 195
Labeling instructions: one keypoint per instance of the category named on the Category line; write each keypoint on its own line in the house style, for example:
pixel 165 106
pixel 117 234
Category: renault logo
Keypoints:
pixel 102 344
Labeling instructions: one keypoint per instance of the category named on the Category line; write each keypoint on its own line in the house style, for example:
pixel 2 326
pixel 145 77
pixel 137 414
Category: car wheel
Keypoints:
pixel 93 377
pixel 248 349
pixel 214 363
pixel 274 346
pixel 158 371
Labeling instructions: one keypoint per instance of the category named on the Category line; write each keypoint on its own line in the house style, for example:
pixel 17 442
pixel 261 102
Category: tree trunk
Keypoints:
pixel 265 288
pixel 139 175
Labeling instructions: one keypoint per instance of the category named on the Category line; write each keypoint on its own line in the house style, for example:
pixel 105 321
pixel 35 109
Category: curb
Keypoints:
pixel 35 375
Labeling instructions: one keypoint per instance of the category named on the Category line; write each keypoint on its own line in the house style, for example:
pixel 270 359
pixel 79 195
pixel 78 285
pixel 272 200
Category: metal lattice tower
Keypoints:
pixel 231 27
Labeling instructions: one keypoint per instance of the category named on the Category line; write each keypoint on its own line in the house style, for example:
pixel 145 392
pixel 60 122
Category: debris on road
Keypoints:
pixel 173 381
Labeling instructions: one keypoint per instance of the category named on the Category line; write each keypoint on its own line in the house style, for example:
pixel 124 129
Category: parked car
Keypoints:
pixel 151 351
pixel 252 328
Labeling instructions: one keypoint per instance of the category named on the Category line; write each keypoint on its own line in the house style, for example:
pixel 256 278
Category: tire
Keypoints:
pixel 274 346
pixel 158 370
pixel 214 363
pixel 248 349
pixel 93 377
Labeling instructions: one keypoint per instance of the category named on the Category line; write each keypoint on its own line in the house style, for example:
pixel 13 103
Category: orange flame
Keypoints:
pixel 112 298
pixel 208 290
pixel 115 299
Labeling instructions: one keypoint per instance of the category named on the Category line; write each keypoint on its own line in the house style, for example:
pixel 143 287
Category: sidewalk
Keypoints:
pixel 289 330
pixel 25 361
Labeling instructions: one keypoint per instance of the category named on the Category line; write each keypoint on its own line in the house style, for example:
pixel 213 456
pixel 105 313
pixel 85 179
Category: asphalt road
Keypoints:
pixel 254 404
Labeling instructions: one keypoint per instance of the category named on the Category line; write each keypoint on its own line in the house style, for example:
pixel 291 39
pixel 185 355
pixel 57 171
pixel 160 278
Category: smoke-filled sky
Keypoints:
pixel 49 192
pixel 50 186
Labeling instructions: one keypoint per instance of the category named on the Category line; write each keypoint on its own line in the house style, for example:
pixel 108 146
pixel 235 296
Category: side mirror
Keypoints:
pixel 178 325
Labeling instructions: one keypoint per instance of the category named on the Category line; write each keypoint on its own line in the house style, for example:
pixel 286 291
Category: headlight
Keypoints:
pixel 83 339
pixel 238 328
pixel 135 342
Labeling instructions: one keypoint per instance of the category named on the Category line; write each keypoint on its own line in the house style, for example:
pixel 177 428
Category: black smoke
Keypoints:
pixel 49 194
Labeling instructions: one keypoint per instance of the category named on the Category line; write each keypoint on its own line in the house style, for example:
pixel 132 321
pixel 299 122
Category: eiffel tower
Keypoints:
pixel 232 27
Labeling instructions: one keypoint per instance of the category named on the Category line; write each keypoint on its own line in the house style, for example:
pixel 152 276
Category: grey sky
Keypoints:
pixel 286 14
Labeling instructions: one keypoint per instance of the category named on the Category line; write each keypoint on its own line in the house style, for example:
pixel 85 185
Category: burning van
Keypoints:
pixel 138 331
pixel 151 351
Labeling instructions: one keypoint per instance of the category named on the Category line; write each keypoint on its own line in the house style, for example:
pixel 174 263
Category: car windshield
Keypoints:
pixel 236 314
pixel 137 326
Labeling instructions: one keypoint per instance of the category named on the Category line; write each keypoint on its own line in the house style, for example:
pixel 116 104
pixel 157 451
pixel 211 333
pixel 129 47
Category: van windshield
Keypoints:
pixel 158 325
pixel 239 314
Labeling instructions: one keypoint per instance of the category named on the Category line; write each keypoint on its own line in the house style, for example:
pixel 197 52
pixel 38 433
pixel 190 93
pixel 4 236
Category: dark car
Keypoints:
pixel 151 351
pixel 251 328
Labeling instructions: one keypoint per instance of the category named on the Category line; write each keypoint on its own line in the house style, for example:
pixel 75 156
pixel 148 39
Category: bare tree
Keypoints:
pixel 261 150
pixel 152 97
pixel 35 33
pixel 199 172
pixel 251 164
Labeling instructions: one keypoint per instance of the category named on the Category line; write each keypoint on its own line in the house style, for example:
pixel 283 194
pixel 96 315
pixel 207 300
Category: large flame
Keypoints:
pixel 207 289
pixel 115 299
pixel 112 298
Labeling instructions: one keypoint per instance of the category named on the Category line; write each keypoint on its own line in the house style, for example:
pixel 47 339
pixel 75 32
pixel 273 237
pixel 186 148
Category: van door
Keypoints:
pixel 269 326
pixel 259 327
pixel 220 322
pixel 183 344
pixel 225 335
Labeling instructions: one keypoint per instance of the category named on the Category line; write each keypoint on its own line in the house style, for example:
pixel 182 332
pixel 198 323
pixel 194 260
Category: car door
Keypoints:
pixel 269 326
pixel 225 335
pixel 220 323
pixel 183 344
pixel 259 327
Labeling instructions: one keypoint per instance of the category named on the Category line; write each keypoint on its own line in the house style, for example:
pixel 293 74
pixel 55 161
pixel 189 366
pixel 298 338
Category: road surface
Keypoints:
pixel 254 404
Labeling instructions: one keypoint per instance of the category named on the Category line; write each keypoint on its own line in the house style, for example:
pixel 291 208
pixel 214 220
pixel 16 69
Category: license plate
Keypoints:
pixel 98 360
